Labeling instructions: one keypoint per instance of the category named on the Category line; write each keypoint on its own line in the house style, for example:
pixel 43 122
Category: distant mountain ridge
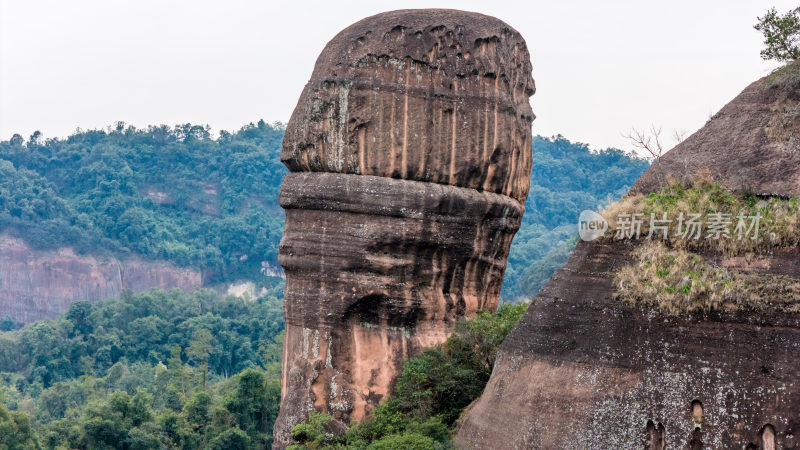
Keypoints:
pixel 173 205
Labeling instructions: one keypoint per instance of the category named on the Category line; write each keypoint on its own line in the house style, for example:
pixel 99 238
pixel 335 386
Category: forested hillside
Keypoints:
pixel 180 195
pixel 146 371
pixel 161 192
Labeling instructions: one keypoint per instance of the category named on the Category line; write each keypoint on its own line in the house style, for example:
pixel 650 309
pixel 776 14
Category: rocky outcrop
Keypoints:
pixel 410 160
pixel 751 145
pixel 37 285
pixel 583 370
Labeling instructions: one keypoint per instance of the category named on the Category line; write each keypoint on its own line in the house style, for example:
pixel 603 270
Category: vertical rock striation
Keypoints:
pixel 410 159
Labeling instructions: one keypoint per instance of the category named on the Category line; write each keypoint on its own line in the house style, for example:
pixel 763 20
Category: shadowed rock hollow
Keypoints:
pixel 410 159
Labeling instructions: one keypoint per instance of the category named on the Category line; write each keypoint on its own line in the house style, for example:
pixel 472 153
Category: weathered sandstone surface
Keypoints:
pixel 582 370
pixel 410 160
pixel 37 285
pixel 426 95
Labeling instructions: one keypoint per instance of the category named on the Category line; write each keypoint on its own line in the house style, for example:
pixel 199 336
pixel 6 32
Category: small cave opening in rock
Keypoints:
pixel 655 436
pixel 768 437
pixel 382 310
pixel 695 441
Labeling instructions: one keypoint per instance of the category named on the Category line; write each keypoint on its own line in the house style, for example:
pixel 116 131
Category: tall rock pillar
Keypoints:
pixel 410 159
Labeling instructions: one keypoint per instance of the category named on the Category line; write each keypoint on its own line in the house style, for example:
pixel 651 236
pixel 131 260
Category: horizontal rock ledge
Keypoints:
pixel 419 250
pixel 383 196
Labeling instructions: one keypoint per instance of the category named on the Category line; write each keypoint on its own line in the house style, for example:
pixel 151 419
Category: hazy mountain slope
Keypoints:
pixel 163 193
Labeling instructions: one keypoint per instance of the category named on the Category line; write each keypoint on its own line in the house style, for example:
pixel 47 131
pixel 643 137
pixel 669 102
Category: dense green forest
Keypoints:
pixel 151 370
pixel 161 192
pixel 179 194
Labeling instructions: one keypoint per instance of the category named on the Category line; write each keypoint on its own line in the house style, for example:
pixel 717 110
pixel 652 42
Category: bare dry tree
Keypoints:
pixel 679 135
pixel 647 140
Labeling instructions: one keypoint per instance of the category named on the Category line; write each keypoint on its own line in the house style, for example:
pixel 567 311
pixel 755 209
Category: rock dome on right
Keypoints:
pixel 680 327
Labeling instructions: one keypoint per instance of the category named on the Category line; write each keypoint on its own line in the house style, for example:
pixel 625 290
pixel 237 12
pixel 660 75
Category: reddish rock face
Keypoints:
pixel 410 158
pixel 426 95
pixel 37 285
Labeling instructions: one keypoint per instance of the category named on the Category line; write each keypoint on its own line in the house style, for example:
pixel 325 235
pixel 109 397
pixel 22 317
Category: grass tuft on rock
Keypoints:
pixel 779 225
pixel 785 76
pixel 676 281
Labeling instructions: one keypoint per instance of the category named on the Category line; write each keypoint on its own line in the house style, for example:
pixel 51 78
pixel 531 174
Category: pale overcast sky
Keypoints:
pixel 600 67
